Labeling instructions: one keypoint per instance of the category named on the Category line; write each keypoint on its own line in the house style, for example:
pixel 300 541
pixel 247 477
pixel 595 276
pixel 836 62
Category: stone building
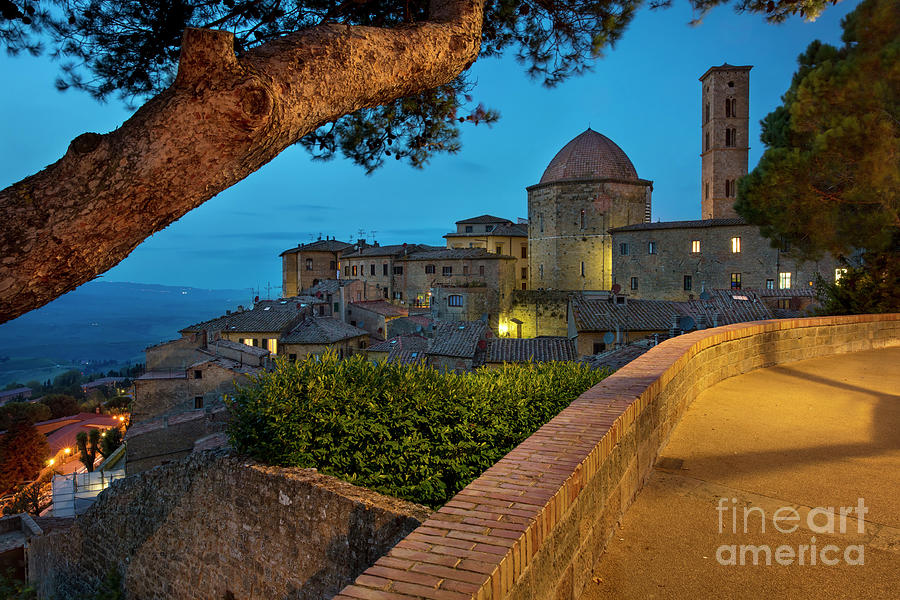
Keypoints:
pixel 260 326
pixel 678 260
pixel 308 264
pixel 725 137
pixel 317 335
pixel 589 187
pixel 497 235
pixel 374 316
pixel 380 267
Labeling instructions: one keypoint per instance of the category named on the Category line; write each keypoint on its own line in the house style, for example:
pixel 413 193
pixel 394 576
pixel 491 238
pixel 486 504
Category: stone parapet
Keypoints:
pixel 532 526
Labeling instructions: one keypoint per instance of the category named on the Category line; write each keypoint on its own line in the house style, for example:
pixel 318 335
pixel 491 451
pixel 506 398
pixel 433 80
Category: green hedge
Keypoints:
pixel 406 431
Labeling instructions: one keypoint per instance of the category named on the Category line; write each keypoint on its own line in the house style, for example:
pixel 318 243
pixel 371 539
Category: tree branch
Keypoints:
pixel 222 119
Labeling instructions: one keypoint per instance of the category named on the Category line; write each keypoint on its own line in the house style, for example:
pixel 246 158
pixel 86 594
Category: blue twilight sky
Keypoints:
pixel 644 95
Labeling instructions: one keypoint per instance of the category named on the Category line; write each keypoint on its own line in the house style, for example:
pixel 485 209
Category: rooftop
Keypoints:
pixel 485 219
pixel 505 230
pixel 381 307
pixel 394 250
pixel 252 350
pixel 328 286
pixel 404 349
pixel 321 330
pixel 726 67
pixel 682 224
pixel 319 246
pixel 268 316
pixel 457 254
pixel 458 338
pixel 590 155
pixel 542 349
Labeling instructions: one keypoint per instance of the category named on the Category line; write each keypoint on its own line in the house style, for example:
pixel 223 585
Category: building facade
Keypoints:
pixel 497 235
pixel 308 264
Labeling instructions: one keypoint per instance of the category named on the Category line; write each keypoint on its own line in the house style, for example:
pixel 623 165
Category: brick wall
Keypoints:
pixel 217 526
pixel 532 526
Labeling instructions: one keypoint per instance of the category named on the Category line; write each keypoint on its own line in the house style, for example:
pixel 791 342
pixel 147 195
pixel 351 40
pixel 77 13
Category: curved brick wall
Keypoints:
pixel 533 524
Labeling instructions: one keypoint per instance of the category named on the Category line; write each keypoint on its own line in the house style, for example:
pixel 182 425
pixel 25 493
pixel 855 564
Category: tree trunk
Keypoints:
pixel 221 120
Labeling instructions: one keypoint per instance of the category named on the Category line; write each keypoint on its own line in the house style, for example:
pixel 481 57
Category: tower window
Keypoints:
pixel 651 247
pixel 735 244
pixel 706 190
pixel 731 137
pixel 730 188
pixel 582 218
pixel 784 281
pixel 634 283
pixel 688 281
pixel 706 114
pixel 730 107
pixel 730 84
pixel 736 281
pixel 695 246
pixel 706 143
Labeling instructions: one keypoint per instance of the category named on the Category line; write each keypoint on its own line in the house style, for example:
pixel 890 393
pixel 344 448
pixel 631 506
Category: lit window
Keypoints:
pixel 838 274
pixel 688 281
pixel 247 341
pixel 784 281
pixel 695 246
pixel 623 249
pixel 353 269
pixel 634 283
pixel 651 247
pixel 735 244
pixel 447 271
pixel 736 281
pixel 454 300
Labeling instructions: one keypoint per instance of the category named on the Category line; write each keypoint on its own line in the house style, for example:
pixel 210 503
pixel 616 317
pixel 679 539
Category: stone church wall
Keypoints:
pixel 219 526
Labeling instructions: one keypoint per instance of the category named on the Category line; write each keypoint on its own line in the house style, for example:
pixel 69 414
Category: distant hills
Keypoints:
pixel 104 321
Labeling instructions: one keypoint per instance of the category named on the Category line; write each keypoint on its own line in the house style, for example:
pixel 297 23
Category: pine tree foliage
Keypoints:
pixel 130 49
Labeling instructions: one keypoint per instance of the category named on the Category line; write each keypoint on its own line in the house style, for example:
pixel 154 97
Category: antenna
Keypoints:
pixel 362 234
pixel 373 232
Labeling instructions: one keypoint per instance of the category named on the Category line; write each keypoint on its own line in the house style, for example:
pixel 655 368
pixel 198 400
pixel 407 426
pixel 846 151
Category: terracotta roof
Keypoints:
pixel 590 155
pixel 731 306
pixel 486 219
pixel 542 349
pixel 269 316
pixel 319 246
pixel 64 437
pixel 456 254
pixel 505 230
pixel 457 338
pixel 681 224
pixel 395 250
pixel 321 330
pixel 616 359
pixel 328 286
pixel 404 349
pixel 786 293
pixel 381 307
pixel 252 350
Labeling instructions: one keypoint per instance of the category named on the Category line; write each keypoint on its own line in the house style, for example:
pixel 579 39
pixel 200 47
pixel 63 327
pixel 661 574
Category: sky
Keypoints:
pixel 644 95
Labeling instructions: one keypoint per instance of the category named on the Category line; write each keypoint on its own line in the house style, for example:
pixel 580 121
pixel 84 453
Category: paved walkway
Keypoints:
pixel 817 433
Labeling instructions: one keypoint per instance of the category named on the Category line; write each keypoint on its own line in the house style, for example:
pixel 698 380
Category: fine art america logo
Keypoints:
pixel 753 520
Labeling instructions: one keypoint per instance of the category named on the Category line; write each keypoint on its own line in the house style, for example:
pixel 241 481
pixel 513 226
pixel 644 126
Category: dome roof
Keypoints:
pixel 590 155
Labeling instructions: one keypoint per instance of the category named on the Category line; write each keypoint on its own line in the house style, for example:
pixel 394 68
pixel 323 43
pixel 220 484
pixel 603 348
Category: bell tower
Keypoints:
pixel 725 137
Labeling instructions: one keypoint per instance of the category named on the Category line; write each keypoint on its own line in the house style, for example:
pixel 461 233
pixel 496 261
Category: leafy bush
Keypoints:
pixel 408 431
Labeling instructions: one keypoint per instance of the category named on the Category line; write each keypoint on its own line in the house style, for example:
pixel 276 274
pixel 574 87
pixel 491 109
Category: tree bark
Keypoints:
pixel 222 119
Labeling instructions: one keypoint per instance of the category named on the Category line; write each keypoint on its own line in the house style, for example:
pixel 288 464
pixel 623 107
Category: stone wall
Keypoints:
pixel 176 354
pixel 660 276
pixel 532 525
pixel 542 312
pixel 155 397
pixel 560 241
pixel 170 438
pixel 218 526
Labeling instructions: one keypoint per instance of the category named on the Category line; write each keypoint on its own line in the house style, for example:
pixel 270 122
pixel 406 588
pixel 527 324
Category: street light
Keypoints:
pixel 50 462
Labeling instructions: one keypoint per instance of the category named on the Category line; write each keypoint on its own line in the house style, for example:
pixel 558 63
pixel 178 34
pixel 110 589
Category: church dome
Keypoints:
pixel 590 155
